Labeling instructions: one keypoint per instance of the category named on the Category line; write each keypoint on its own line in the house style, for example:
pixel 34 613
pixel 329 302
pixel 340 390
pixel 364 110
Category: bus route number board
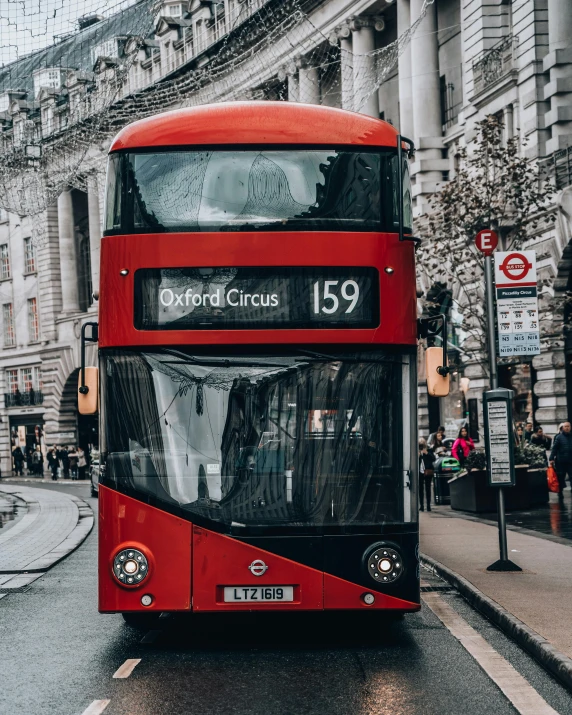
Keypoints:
pixel 256 297
pixel 499 443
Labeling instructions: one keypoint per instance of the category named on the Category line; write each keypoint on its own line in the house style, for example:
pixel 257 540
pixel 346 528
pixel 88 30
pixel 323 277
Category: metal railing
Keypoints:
pixel 493 64
pixel 23 399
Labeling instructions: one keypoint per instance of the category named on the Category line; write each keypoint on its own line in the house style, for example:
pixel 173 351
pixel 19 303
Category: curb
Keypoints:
pixel 70 543
pixel 558 664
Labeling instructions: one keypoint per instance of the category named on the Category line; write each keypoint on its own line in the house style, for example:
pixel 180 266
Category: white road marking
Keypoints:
pixel 150 637
pixel 520 693
pixel 127 668
pixel 97 706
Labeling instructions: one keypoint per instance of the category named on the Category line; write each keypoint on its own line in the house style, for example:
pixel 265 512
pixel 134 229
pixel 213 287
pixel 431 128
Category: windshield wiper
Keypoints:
pixel 185 359
pixel 333 358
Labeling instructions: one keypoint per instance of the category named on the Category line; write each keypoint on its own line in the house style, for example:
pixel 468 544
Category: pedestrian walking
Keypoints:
pixel 438 447
pixel 53 462
pixel 528 431
pixel 29 452
pixel 561 457
pixel 82 462
pixel 38 462
pixel 64 461
pixel 540 439
pixel 462 446
pixel 440 433
pixel 18 457
pixel 426 472
pixel 73 458
pixel 519 436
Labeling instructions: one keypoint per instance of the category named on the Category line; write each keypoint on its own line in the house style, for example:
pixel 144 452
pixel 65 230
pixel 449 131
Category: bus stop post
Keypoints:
pixel 503 415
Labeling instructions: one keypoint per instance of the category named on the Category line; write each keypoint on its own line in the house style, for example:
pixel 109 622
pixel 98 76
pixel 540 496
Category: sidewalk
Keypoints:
pixel 540 596
pixel 54 525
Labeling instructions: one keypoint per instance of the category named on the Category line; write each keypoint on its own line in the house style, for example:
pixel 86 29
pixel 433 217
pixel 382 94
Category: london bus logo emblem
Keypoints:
pixel 258 568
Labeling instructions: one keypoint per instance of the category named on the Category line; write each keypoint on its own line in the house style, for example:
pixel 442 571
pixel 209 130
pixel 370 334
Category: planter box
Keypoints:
pixel 470 491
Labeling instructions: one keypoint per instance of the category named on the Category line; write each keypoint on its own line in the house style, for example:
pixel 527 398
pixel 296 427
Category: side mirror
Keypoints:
pixel 88 399
pixel 437 382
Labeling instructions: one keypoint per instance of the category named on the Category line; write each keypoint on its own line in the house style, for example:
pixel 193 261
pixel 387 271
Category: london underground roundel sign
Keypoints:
pixel 515 267
pixel 486 241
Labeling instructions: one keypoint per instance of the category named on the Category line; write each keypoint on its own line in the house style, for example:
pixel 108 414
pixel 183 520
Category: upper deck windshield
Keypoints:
pixel 254 190
pixel 296 441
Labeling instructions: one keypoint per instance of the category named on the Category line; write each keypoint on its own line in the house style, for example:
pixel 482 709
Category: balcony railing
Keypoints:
pixel 23 399
pixel 493 64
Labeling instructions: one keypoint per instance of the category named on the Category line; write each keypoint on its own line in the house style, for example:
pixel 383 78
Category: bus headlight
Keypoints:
pixel 384 564
pixel 130 567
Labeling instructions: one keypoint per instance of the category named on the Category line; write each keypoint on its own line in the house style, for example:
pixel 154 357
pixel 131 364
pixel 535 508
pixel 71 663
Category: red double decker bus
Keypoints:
pixel 257 365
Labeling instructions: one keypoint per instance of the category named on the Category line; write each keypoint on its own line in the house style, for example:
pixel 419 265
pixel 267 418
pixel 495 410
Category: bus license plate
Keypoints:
pixel 238 594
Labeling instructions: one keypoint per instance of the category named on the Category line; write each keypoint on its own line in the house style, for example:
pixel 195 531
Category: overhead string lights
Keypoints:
pixel 76 72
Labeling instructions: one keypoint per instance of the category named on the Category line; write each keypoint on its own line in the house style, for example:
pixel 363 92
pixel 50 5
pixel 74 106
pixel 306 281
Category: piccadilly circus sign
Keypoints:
pixel 515 266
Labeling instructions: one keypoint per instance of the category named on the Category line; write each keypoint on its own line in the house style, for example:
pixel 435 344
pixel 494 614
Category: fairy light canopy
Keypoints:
pixel 75 72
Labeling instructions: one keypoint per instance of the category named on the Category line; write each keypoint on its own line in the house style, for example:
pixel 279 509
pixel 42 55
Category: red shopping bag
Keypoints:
pixel 552 478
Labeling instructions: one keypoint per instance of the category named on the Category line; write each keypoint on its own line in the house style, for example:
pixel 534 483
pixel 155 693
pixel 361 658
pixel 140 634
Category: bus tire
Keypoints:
pixel 142 621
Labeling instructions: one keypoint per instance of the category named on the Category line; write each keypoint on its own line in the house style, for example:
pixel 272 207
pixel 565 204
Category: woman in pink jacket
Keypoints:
pixel 462 446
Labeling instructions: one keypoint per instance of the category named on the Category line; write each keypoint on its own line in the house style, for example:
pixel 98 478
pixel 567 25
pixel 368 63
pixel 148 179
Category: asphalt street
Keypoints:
pixel 59 656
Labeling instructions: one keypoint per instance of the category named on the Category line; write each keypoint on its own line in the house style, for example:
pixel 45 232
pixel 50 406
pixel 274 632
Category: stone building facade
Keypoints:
pixel 467 59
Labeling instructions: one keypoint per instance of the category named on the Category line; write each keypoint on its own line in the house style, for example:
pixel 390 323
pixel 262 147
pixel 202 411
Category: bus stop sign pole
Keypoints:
pixel 497 408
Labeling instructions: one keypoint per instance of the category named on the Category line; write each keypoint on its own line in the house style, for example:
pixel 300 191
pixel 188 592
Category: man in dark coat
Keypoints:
pixel 561 457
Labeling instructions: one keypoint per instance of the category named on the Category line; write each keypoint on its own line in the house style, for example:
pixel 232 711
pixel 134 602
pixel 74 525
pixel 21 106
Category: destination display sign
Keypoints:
pixel 256 297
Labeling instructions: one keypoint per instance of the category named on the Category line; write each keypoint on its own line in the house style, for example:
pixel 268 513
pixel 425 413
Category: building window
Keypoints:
pixel 9 333
pixel 4 262
pixel 33 327
pixel 27 379
pixel 23 387
pixel 450 106
pixel 29 256
pixel 12 380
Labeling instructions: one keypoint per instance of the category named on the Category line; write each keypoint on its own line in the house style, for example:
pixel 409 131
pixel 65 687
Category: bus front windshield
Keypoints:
pixel 271 440
pixel 254 190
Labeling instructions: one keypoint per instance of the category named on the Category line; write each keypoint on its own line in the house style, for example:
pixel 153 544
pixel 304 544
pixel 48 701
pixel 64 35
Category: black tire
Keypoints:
pixel 142 621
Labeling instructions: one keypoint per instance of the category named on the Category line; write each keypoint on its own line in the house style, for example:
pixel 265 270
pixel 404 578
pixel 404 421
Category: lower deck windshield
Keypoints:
pixel 298 439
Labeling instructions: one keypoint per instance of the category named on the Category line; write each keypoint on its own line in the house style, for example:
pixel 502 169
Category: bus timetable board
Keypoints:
pixel 498 430
pixel 256 297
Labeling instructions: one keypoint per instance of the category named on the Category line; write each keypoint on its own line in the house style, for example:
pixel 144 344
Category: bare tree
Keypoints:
pixel 495 187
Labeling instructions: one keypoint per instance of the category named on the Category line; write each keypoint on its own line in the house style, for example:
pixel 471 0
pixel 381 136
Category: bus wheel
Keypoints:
pixel 142 621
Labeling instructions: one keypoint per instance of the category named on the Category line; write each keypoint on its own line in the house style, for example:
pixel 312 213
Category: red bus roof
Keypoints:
pixel 256 123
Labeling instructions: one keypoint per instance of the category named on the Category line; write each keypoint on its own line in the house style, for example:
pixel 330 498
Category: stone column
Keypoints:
pixel 427 130
pixel 559 24
pixel 404 67
pixel 94 220
pixel 293 88
pixel 308 83
pixel 347 68
pixel 68 253
pixel 425 74
pixel 558 62
pixel 508 120
pixel 363 43
pixel 343 36
pixel 289 73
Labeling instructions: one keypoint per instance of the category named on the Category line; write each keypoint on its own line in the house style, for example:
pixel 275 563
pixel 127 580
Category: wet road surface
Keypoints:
pixel 12 510
pixel 59 656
